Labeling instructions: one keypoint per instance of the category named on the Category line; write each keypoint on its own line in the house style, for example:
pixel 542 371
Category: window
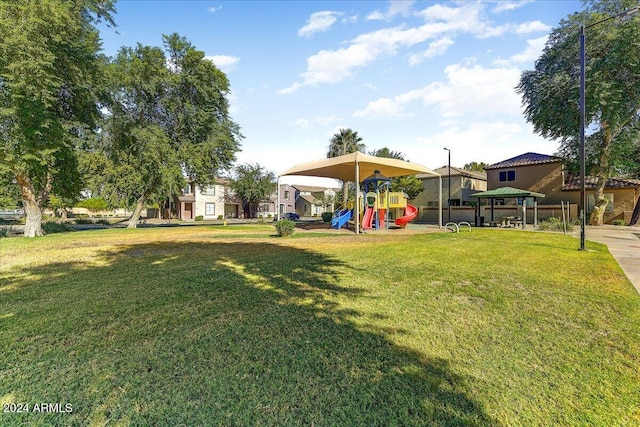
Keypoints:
pixel 187 189
pixel 286 195
pixel 507 176
pixel 209 209
pixel 210 191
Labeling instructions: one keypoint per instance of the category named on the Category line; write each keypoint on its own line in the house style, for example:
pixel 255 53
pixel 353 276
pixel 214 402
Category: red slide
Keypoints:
pixel 410 213
pixel 367 219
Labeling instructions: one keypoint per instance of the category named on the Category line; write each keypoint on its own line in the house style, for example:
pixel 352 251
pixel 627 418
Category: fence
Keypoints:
pixel 468 213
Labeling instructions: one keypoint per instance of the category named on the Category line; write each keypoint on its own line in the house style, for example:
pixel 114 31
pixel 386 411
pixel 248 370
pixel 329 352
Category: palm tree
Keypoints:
pixel 346 141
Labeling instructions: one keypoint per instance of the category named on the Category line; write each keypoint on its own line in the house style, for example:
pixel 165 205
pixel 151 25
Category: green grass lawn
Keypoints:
pixel 232 326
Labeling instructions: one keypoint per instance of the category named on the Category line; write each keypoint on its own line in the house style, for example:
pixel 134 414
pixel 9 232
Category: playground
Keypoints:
pixel 376 207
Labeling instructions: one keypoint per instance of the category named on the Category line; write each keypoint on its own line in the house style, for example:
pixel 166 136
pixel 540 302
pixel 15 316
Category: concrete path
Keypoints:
pixel 623 244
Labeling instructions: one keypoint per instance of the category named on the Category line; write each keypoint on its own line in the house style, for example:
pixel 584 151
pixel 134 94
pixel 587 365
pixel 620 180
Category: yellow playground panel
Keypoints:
pixel 397 202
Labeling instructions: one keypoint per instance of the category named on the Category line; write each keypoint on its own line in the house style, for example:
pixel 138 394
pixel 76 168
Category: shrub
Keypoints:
pixel 103 222
pixel 55 227
pixel 618 222
pixel 553 224
pixel 220 217
pixel 80 221
pixel 7 230
pixel 326 216
pixel 285 227
pixel 199 218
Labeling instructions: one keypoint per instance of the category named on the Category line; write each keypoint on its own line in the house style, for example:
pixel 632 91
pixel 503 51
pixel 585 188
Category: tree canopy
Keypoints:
pixel 253 184
pixel 550 92
pixel 168 119
pixel 49 74
pixel 410 184
pixel 345 141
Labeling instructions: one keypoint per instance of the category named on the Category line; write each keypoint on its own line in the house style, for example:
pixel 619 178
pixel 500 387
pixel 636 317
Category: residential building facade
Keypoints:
pixel 463 184
pixel 546 174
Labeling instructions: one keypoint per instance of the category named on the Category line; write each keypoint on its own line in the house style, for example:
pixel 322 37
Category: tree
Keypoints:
pixel 168 117
pixel 48 102
pixel 475 166
pixel 550 92
pixel 346 141
pixel 410 184
pixel 253 184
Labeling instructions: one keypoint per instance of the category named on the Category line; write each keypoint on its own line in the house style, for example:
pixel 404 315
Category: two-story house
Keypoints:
pixel 464 183
pixel 546 174
pixel 208 202
pixel 313 201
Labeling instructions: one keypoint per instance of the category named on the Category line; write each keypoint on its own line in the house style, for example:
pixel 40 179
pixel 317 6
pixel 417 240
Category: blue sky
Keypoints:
pixel 414 76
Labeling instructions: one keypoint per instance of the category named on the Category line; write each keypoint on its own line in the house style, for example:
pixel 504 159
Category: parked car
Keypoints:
pixel 292 216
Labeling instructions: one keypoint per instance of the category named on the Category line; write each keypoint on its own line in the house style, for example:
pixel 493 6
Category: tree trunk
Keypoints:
pixel 635 216
pixel 345 194
pixel 135 216
pixel 32 209
pixel 602 171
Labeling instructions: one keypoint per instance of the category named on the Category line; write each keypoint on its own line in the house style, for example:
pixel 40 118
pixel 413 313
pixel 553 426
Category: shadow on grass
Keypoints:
pixel 211 334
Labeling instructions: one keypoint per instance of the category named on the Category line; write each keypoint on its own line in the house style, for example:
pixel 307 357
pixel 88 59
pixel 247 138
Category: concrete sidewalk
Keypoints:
pixel 624 245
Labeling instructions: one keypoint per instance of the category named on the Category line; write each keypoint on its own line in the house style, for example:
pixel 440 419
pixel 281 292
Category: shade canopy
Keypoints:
pixel 506 193
pixel 344 167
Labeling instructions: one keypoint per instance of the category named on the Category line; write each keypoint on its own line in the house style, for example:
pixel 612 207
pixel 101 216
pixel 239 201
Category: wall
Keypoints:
pixel 624 200
pixel 545 178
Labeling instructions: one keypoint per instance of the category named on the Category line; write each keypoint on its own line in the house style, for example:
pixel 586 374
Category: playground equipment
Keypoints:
pixel 341 218
pixel 381 204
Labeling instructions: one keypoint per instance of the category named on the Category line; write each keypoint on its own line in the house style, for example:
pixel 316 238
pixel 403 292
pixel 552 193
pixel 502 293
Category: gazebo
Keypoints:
pixel 351 167
pixel 511 193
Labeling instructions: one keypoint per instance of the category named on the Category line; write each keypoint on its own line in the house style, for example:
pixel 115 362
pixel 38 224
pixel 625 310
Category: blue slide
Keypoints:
pixel 341 218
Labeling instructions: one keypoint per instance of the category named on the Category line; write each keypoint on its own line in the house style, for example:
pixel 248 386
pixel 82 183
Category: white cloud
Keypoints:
pixel 469 91
pixel 530 54
pixel 488 142
pixel 502 6
pixel 214 9
pixel 532 27
pixel 333 66
pixel 475 90
pixel 319 22
pixel 316 121
pixel 436 48
pixel 225 63
pixel 396 7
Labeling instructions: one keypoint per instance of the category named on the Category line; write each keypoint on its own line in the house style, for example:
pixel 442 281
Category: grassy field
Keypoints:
pixel 232 326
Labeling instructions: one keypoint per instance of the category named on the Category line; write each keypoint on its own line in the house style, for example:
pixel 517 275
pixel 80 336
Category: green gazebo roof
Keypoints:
pixel 506 192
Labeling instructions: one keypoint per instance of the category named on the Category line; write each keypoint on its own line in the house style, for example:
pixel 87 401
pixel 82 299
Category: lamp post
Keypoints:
pixel 449 199
pixel 583 195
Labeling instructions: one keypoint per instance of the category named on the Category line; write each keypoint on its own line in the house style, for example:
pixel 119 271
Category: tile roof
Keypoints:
pixel 444 172
pixel 525 159
pixel 572 183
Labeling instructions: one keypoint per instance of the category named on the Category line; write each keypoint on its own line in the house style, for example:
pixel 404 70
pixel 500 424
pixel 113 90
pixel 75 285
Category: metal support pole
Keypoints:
pixel 583 196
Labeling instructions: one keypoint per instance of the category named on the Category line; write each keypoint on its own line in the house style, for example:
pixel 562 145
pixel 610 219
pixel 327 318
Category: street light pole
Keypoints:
pixel 583 195
pixel 449 199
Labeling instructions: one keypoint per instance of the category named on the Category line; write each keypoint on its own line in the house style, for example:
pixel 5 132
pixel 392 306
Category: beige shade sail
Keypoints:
pixel 356 166
pixel 344 167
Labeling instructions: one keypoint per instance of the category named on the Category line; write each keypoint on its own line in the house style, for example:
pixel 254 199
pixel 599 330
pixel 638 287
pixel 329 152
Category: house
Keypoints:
pixel 287 199
pixel 463 184
pixel 313 201
pixel 546 174
pixel 210 202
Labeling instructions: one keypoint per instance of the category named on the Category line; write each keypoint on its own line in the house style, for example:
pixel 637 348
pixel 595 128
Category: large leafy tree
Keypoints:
pixel 168 119
pixel 252 184
pixel 49 69
pixel 345 141
pixel 409 184
pixel 550 92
